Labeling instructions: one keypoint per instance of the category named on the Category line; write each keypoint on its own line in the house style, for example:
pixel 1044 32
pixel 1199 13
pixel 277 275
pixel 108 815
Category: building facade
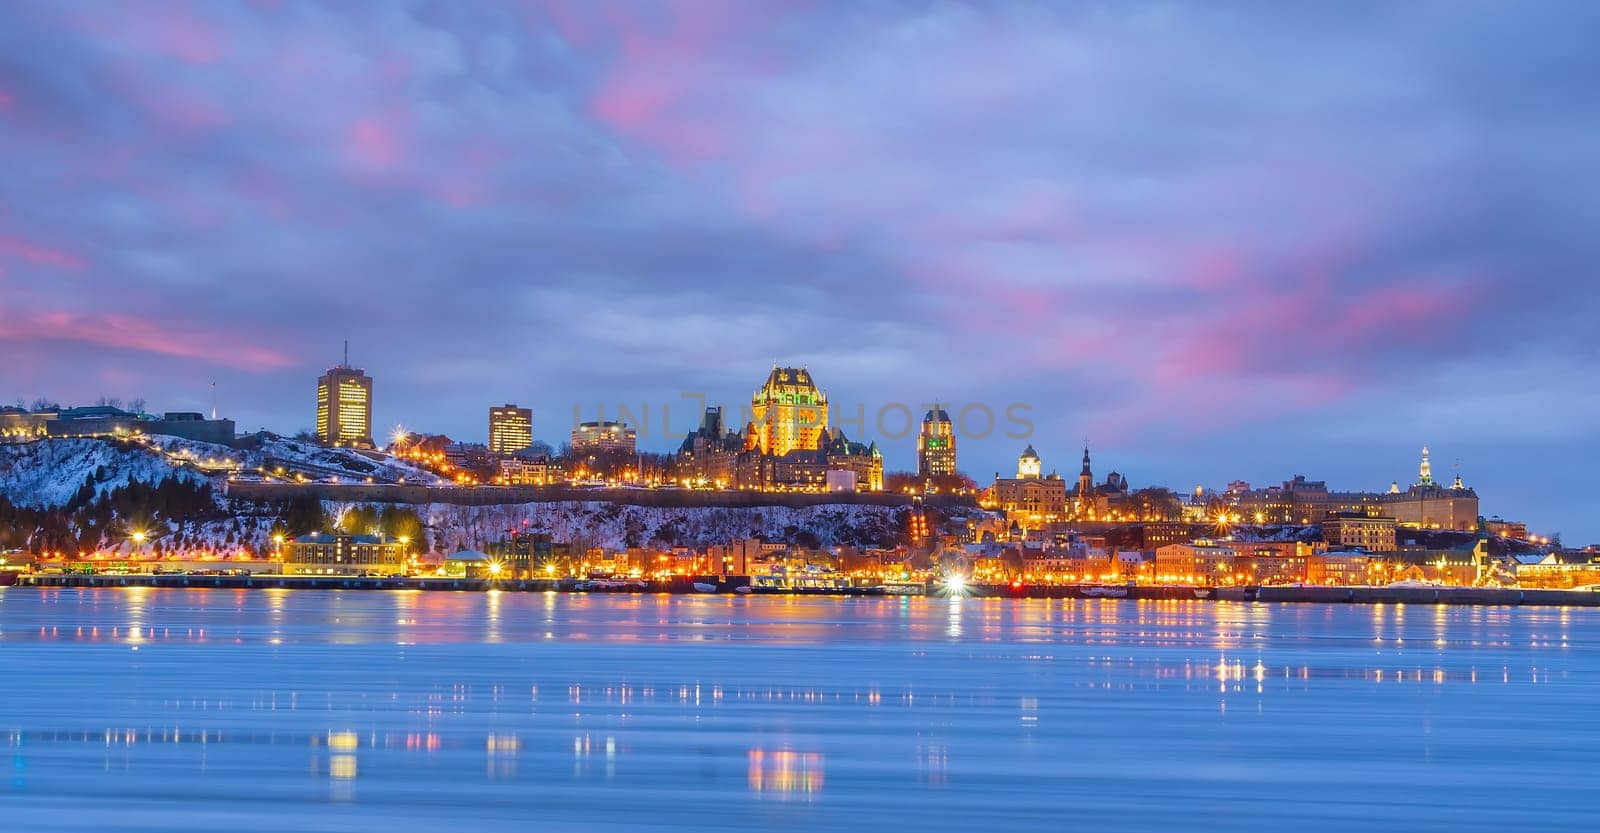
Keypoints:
pixel 787 413
pixel 1428 505
pixel 936 445
pixel 510 429
pixel 1029 498
pixel 106 420
pixel 590 437
pixel 1359 532
pixel 344 407
pixel 339 554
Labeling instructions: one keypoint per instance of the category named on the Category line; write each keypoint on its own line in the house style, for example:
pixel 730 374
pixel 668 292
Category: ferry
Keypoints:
pixel 903 588
pixel 1104 592
pixel 801 581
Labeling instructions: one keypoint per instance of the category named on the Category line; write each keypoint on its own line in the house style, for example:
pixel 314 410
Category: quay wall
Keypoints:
pixel 502 495
pixel 1474 596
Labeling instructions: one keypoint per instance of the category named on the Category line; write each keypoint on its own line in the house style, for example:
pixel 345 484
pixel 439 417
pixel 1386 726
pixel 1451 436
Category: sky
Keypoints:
pixel 1216 240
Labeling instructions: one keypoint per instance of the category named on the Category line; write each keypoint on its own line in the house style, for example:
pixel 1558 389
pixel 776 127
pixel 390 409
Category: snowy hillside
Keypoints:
pixel 46 474
pixel 617 526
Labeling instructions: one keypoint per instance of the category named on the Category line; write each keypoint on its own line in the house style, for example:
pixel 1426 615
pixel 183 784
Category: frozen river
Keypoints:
pixel 208 710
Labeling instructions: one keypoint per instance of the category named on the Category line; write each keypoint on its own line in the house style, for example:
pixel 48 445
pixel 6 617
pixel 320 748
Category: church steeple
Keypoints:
pixel 1085 485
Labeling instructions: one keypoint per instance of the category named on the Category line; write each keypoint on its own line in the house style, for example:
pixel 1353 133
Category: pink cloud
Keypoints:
pixel 373 145
pixel 663 87
pixel 126 332
pixel 39 254
pixel 183 36
pixel 5 99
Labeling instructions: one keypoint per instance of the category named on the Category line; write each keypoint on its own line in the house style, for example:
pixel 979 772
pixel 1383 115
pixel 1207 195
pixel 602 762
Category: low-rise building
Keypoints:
pixel 1343 568
pixel 1359 531
pixel 341 554
pixel 1201 562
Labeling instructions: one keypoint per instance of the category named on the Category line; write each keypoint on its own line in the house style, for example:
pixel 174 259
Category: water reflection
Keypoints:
pixel 783 772
pixel 456 710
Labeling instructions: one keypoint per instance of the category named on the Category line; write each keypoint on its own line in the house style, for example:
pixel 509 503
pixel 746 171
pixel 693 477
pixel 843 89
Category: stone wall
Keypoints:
pixel 500 495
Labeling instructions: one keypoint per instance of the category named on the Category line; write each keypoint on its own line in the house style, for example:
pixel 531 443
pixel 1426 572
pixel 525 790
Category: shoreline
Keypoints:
pixel 1443 595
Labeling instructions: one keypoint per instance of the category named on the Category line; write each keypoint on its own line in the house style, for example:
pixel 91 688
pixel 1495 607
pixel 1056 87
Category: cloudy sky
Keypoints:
pixel 1219 240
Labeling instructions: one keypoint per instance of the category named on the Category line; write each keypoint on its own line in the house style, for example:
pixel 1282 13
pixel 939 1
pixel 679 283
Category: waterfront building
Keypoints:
pixel 1201 562
pixel 788 413
pixel 341 554
pixel 344 406
pixel 1359 531
pixel 936 445
pixel 603 436
pixel 1272 562
pixel 510 429
pixel 1353 567
pixel 1559 570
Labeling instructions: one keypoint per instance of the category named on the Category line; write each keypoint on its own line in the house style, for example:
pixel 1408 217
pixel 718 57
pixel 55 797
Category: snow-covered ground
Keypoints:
pixel 46 474
pixel 616 526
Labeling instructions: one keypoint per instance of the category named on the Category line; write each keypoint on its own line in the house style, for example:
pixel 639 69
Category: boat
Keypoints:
pixel 1101 592
pixel 902 588
pixel 9 578
pixel 1204 592
pixel 743 588
pixel 704 587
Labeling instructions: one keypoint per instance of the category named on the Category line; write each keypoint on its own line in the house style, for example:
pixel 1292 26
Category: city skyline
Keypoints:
pixel 1269 267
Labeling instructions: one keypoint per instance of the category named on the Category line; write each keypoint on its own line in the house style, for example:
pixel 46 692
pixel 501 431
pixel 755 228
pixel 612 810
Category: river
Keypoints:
pixel 208 710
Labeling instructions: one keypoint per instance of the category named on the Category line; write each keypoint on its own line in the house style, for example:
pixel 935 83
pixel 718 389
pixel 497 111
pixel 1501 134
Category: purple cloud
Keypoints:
pixel 1213 238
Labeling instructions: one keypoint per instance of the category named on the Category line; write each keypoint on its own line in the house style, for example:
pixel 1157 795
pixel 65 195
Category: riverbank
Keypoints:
pixel 1481 596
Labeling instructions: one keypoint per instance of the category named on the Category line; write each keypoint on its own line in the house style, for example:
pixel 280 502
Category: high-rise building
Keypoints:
pixel 936 445
pixel 344 405
pixel 510 429
pixel 588 437
pixel 788 413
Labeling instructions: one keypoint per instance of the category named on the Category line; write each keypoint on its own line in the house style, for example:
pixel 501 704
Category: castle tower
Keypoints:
pixel 1425 471
pixel 788 413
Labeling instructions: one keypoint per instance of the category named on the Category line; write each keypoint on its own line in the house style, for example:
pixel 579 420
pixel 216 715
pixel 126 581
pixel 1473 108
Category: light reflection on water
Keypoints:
pixel 294 710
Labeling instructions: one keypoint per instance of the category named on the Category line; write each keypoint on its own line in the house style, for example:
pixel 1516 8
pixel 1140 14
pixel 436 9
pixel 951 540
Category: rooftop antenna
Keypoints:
pixel 346 353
